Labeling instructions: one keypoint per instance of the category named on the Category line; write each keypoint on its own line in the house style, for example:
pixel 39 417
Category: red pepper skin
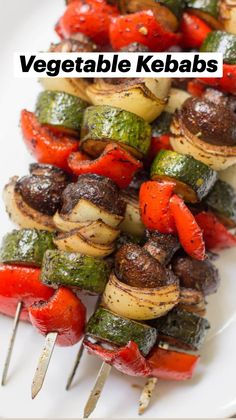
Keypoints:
pixel 196 88
pixel 172 365
pixel 215 234
pixel 127 360
pixel 43 144
pixel 90 17
pixel 194 31
pixel 154 200
pixel 141 27
pixel 227 83
pixel 21 284
pixel 163 364
pixel 190 234
pixel 64 313
pixel 158 143
pixel 115 163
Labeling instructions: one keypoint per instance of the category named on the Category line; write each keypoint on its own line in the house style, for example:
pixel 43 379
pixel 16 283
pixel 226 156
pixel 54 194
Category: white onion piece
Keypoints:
pixel 176 99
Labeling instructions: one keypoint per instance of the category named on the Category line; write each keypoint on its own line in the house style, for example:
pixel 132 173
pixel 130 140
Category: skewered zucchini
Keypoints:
pixel 222 200
pixel 107 326
pixel 207 10
pixel 106 124
pixel 26 246
pixel 61 111
pixel 221 42
pixel 193 178
pixel 182 329
pixel 74 270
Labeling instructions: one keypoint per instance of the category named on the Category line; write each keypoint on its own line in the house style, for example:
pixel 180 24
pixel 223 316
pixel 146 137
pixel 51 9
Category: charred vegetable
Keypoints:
pixel 74 270
pixel 193 178
pixel 199 275
pixel 109 327
pixel 103 124
pixel 132 223
pixel 182 329
pixel 221 42
pixel 208 10
pixel 61 111
pixel 222 200
pixel 161 247
pixel 26 246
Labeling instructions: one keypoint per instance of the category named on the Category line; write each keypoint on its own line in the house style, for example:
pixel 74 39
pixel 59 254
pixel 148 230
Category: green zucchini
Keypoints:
pixel 176 6
pixel 74 270
pixel 222 200
pixel 26 247
pixel 182 329
pixel 61 111
pixel 193 179
pixel 162 124
pixel 209 7
pixel 104 124
pixel 107 326
pixel 221 42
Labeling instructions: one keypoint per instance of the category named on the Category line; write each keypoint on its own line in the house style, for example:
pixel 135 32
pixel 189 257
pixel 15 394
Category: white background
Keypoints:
pixel 28 24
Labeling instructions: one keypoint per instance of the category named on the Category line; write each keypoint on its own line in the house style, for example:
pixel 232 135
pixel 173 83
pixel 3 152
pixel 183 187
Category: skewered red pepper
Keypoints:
pixel 215 234
pixel 158 143
pixel 172 365
pixel 194 31
pixel 126 359
pixel 163 364
pixel 115 163
pixel 196 88
pixel 90 17
pixel 190 234
pixel 45 146
pixel 154 200
pixel 141 27
pixel 21 284
pixel 226 83
pixel 64 313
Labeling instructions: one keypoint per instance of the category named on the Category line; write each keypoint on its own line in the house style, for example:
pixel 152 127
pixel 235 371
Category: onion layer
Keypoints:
pixel 132 222
pixel 228 15
pixel 21 214
pixel 140 303
pixel 75 87
pixel 144 97
pixel 176 99
pixel 182 141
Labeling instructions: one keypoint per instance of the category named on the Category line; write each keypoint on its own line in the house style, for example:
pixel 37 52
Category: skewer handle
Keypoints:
pixel 97 389
pixel 146 395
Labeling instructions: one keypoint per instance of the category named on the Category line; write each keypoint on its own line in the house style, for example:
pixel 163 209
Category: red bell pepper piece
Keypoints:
pixel 215 234
pixel 172 365
pixel 90 17
pixel 21 284
pixel 45 146
pixel 154 200
pixel 64 313
pixel 141 27
pixel 190 234
pixel 115 163
pixel 194 31
pixel 126 359
pixel 196 88
pixel 227 83
pixel 163 364
pixel 158 143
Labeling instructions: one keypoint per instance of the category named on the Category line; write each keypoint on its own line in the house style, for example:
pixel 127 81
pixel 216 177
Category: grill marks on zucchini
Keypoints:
pixel 222 200
pixel 74 270
pixel 61 111
pixel 26 247
pixel 107 326
pixel 106 124
pixel 193 178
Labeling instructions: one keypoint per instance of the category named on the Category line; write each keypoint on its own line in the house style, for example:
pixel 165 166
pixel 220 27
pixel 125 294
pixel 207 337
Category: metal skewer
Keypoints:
pixel 11 343
pixel 43 363
pixel 97 389
pixel 146 395
pixel 79 355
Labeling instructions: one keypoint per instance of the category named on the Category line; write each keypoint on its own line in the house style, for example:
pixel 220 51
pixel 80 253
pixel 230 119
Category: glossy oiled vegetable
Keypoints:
pixel 182 329
pixel 61 111
pixel 74 270
pixel 221 42
pixel 26 247
pixel 103 124
pixel 107 326
pixel 193 178
pixel 222 201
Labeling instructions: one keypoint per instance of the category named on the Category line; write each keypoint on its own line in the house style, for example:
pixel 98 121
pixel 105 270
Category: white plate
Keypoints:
pixel 28 25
